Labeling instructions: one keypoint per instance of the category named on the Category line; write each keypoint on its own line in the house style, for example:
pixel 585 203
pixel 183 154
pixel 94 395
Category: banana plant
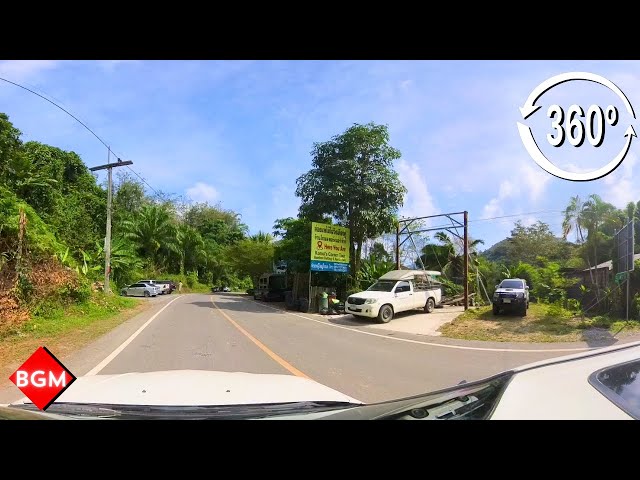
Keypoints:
pixel 85 269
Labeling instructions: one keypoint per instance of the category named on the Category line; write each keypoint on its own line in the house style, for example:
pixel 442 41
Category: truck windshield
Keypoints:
pixel 382 286
pixel 511 284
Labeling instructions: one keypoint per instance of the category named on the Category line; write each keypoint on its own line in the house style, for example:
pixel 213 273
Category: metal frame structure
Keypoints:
pixel 403 227
pixel 624 241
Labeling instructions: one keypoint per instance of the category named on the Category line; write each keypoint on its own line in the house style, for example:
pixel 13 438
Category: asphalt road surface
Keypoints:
pixel 229 332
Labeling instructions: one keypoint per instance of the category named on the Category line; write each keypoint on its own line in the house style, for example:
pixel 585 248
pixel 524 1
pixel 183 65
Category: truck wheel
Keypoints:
pixel 496 310
pixel 385 314
pixel 523 310
pixel 430 305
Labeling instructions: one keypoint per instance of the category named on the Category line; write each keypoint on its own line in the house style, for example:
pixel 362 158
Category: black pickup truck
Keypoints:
pixel 512 294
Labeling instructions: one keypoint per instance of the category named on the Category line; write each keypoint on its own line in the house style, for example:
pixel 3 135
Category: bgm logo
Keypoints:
pixel 42 378
pixel 575 130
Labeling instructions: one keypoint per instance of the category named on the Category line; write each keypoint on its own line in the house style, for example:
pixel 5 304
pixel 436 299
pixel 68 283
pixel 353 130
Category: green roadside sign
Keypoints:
pixel 620 277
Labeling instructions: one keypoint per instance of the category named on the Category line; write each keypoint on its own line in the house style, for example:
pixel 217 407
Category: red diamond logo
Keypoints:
pixel 42 378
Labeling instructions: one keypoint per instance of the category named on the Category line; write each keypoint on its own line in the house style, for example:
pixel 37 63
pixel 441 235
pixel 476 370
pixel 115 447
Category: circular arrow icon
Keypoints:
pixel 530 107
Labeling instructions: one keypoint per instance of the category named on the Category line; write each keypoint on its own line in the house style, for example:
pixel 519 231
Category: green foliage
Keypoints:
pixel 557 310
pixel 191 279
pixel 251 258
pixel 294 244
pixel 39 237
pixel 525 243
pixel 451 289
pixel 372 269
pixel 352 181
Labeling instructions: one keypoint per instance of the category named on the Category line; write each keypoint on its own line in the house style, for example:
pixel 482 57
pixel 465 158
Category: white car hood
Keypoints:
pixel 196 388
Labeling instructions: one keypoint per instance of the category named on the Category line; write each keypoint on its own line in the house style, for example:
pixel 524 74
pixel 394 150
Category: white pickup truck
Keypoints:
pixel 397 291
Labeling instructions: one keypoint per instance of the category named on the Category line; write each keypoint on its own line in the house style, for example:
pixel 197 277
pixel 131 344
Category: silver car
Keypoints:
pixel 162 289
pixel 140 289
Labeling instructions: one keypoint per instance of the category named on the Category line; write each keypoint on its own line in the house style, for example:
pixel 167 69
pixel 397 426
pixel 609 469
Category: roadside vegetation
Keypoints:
pixel 53 216
pixel 52 224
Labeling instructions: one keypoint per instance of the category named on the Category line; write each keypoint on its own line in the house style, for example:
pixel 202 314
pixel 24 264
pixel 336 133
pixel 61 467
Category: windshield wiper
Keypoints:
pixel 198 412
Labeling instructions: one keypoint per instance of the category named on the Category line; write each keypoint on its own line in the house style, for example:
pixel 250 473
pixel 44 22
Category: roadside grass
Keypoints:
pixel 196 288
pixel 64 330
pixel 542 324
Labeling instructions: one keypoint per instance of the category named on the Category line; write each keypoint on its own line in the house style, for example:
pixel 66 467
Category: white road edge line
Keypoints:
pixel 95 370
pixel 407 340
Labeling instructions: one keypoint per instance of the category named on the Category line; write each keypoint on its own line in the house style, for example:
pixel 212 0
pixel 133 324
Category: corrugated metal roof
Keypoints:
pixel 609 264
pixel 405 274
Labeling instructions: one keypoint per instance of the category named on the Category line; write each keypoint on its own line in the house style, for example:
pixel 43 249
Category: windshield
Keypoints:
pixel 511 284
pixel 221 237
pixel 382 286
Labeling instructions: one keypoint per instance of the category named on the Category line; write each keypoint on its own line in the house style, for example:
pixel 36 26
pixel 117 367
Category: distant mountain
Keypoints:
pixel 497 252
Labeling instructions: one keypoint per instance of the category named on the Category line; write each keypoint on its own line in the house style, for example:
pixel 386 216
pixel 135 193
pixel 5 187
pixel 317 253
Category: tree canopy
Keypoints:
pixel 352 181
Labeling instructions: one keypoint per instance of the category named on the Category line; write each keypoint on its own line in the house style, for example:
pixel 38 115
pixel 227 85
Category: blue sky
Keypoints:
pixel 240 132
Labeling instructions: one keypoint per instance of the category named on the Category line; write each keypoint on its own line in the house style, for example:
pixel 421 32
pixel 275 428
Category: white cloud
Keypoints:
pixel 201 192
pixel 622 186
pixel 536 181
pixel 494 207
pixel 418 201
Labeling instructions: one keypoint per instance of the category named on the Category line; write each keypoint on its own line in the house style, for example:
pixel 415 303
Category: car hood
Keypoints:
pixel 509 290
pixel 196 388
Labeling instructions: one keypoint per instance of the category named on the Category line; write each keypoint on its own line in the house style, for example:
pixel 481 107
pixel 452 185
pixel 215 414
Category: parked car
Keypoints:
pixel 512 294
pixel 140 289
pixel 169 285
pixel 396 291
pixel 162 288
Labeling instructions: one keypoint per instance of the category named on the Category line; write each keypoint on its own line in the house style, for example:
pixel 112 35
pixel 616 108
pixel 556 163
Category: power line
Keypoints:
pixel 517 215
pixel 61 108
pixel 81 123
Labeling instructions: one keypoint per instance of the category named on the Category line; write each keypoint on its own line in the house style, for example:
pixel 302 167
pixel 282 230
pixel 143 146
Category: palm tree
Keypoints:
pixel 454 266
pixel 154 234
pixel 191 249
pixel 597 213
pixel 262 237
pixel 123 259
pixel 575 221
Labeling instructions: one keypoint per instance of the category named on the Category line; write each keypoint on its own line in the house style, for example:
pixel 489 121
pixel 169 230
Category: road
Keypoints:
pixel 231 332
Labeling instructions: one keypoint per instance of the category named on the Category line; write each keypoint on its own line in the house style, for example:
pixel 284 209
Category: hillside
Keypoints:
pixel 497 252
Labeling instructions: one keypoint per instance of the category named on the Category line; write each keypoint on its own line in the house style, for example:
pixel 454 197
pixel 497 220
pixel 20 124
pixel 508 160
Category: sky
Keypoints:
pixel 239 133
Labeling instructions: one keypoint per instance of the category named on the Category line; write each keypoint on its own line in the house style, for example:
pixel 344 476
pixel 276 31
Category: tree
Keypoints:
pixel 294 243
pixel 575 221
pixel 378 251
pixel 454 266
pixel 128 197
pixel 251 258
pixel 527 243
pixel 154 234
pixel 352 181
pixel 213 222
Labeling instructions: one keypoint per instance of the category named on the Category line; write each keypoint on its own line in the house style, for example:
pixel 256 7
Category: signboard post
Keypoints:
pixel 329 248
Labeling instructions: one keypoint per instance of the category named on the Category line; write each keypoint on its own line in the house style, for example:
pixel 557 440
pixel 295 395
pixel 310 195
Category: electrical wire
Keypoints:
pixel 81 123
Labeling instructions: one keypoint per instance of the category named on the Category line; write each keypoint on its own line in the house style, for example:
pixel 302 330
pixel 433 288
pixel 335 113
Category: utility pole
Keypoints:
pixel 466 260
pixel 398 246
pixel 107 241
